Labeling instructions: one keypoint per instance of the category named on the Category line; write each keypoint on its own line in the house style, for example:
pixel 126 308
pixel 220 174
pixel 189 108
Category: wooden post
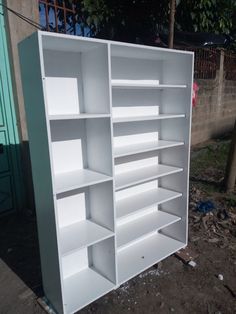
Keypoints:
pixel 230 173
pixel 171 23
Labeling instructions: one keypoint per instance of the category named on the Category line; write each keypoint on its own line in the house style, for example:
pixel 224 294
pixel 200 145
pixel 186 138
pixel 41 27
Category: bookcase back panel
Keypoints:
pixel 135 102
pixel 75 262
pixel 135 162
pixel 135 133
pixel 175 101
pixel 176 207
pixel 68 43
pixel 64 82
pixel 177 231
pixel 72 207
pixel 142 52
pixel 136 69
pixel 135 190
pixel 178 70
pixel 69 149
pixel 81 144
pixel 174 130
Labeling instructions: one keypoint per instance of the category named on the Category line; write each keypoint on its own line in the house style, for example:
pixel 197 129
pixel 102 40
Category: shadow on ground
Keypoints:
pixel 19 249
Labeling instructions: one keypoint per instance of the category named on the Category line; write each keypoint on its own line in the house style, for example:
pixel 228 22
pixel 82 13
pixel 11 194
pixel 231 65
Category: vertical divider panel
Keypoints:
pixel 112 152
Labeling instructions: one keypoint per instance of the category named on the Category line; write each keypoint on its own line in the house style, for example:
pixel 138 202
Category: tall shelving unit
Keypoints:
pixel 109 131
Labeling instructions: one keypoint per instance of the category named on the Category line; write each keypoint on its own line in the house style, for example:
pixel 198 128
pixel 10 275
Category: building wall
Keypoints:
pixel 17 30
pixel 215 111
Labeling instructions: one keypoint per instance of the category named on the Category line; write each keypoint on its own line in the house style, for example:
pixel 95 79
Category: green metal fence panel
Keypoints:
pixel 11 183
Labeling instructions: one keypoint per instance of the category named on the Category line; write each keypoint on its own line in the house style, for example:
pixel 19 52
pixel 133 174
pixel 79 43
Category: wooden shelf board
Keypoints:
pixel 137 228
pixel 147 118
pixel 77 179
pixel 82 234
pixel 127 150
pixel 132 204
pixel 144 174
pixel 144 254
pixel 141 84
pixel 78 116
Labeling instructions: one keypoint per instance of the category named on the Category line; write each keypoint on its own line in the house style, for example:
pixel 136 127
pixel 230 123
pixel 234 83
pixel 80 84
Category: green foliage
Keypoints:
pixel 92 14
pixel 216 16
pixel 129 20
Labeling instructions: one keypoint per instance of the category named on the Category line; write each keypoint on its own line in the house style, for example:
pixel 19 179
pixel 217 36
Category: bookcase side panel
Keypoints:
pixel 41 168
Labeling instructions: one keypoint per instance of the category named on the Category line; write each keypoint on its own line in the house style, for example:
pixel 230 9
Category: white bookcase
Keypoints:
pixel 109 132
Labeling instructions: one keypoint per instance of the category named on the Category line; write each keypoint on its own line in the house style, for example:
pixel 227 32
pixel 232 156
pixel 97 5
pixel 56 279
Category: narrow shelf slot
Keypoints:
pixel 132 204
pixel 130 84
pixel 144 174
pixel 143 254
pixel 126 150
pixel 78 116
pixel 79 178
pixel 82 234
pixel 147 118
pixel 143 225
pixel 83 288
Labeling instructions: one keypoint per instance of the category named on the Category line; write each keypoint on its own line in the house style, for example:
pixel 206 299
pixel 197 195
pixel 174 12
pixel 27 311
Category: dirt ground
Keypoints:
pixel 172 286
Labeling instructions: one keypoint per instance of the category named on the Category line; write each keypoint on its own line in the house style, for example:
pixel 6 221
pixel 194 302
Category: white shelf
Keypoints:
pixel 147 118
pixel 144 174
pixel 82 234
pixel 143 84
pixel 139 227
pixel 83 288
pixel 130 205
pixel 145 253
pixel 77 179
pixel 78 116
pixel 127 150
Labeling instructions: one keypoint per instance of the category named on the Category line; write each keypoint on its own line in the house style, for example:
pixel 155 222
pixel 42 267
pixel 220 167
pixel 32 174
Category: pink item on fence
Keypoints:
pixel 194 96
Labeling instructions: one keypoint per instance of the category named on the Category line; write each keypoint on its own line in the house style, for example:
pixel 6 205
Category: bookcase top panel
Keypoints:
pixel 64 42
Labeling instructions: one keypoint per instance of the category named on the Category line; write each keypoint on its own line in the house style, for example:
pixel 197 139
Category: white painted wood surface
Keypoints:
pixel 109 129
pixel 145 224
pixel 81 234
pixel 144 174
pixel 143 200
pixel 134 259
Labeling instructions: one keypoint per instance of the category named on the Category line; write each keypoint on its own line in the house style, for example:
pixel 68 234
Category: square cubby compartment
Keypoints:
pixel 88 274
pixel 85 216
pixel 81 152
pixel 73 78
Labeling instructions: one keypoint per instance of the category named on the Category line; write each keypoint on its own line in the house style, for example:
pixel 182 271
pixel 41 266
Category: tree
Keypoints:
pixel 142 19
pixel 230 172
pixel 216 16
pixel 171 24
